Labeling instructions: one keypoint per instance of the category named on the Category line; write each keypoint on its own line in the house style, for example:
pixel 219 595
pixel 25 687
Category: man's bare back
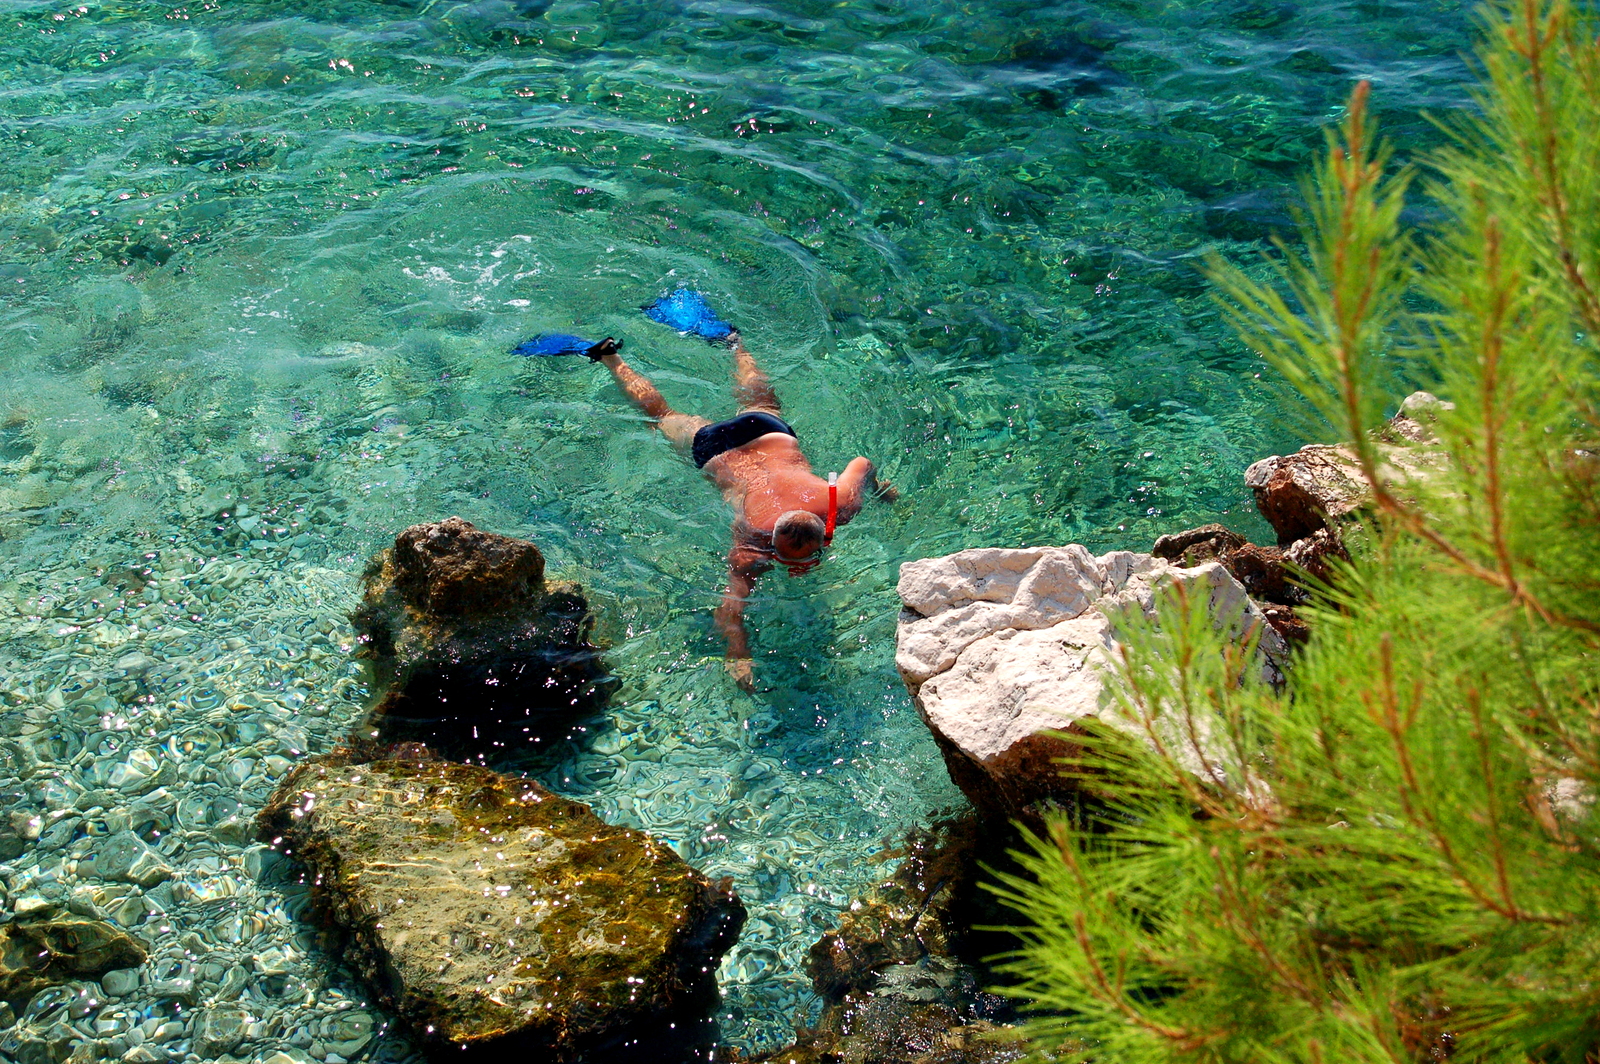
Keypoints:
pixel 769 477
pixel 781 508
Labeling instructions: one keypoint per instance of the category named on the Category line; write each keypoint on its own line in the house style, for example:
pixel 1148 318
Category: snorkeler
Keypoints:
pixel 783 512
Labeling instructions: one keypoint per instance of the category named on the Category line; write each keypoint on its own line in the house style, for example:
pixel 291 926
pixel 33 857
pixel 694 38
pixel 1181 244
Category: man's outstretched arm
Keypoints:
pixel 860 479
pixel 730 616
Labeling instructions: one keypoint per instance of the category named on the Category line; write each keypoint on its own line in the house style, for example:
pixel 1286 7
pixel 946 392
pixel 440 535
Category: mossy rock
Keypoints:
pixel 492 914
pixel 895 977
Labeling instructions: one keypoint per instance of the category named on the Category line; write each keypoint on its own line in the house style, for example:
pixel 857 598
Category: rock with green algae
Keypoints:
pixel 921 910
pixel 48 950
pixel 872 1028
pixel 471 651
pixel 495 916
pixel 895 985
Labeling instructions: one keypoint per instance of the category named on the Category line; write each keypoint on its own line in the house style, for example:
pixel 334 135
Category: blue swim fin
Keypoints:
pixel 687 311
pixel 562 344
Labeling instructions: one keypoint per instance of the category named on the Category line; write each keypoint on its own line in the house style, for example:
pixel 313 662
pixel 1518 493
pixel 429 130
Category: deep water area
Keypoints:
pixel 261 266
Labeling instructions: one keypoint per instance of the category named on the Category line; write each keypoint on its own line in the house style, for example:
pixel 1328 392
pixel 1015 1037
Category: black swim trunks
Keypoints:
pixel 724 436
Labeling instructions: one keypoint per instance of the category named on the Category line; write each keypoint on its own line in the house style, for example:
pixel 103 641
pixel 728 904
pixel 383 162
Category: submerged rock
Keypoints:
pixel 496 916
pixel 895 985
pixel 126 857
pixel 39 952
pixel 470 650
pixel 899 1024
pixel 922 910
pixel 1001 648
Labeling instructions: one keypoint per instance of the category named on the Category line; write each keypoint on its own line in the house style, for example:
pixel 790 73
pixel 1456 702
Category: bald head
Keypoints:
pixel 798 534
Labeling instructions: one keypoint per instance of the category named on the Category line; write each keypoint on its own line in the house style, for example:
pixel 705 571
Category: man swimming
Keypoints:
pixel 784 514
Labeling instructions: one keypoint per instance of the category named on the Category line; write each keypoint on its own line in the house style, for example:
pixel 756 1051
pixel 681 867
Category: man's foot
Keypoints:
pixel 605 347
pixel 742 671
pixel 687 311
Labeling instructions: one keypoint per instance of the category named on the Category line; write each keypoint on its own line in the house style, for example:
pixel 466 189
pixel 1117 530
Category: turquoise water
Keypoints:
pixel 261 265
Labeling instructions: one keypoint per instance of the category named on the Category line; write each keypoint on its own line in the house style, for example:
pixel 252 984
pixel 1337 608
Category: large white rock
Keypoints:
pixel 1000 647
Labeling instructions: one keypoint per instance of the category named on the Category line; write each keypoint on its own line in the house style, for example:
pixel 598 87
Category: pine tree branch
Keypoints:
pixel 1230 899
pixel 1181 1039
pixel 1492 348
pixel 1354 172
pixel 1145 717
pixel 1532 47
pixel 1486 770
pixel 1411 793
pixel 1186 670
pixel 1415 523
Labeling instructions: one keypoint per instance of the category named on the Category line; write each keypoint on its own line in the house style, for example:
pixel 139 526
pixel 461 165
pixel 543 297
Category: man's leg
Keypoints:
pixel 677 428
pixel 750 384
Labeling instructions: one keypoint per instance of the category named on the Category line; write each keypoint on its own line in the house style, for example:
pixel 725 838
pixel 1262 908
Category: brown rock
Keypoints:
pixel 1314 553
pixel 41 952
pixel 1302 492
pixel 452 569
pixel 1189 548
pixel 1287 624
pixel 497 917
pixel 1313 488
pixel 1259 569
pixel 470 651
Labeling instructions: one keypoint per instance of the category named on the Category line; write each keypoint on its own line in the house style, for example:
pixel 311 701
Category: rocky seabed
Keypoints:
pixel 154 699
pixel 156 690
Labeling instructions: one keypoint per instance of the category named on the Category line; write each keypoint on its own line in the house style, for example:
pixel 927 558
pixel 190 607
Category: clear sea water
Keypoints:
pixel 260 266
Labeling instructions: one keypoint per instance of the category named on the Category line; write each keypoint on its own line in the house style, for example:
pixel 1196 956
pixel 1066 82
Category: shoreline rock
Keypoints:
pixel 1302 493
pixel 1263 571
pixel 496 917
pixel 1002 648
pixel 1312 499
pixel 1308 495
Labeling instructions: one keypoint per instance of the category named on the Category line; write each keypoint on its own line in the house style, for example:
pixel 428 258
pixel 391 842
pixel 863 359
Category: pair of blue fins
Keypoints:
pixel 685 310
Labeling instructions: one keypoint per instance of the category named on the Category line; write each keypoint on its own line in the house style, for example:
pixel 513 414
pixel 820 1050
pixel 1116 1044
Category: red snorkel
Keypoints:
pixel 833 508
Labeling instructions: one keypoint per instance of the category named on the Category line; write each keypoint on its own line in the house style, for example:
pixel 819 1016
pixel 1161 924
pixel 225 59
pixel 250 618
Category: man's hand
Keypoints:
pixel 887 491
pixel 740 670
pixel 605 347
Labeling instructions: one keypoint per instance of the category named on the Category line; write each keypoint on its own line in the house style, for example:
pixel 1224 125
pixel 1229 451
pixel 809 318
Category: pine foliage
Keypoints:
pixel 1402 861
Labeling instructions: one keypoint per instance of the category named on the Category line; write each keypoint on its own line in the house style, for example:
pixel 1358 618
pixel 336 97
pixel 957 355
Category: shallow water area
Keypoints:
pixel 262 265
